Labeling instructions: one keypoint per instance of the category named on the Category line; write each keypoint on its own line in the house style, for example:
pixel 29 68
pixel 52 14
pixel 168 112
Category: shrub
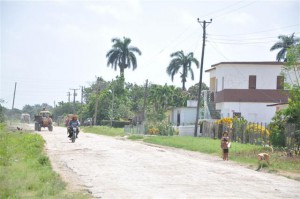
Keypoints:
pixel 258 129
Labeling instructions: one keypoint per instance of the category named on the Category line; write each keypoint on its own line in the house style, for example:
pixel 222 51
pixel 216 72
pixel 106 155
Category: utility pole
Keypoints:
pixel 68 94
pixel 13 104
pixel 74 96
pixel 201 71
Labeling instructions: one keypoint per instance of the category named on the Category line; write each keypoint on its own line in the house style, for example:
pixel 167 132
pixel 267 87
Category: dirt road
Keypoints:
pixel 117 168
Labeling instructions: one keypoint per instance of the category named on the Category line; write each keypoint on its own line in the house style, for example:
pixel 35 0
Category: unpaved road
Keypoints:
pixel 118 168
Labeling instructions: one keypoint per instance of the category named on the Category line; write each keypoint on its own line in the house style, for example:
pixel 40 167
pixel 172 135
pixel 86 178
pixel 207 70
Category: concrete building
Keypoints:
pixel 245 89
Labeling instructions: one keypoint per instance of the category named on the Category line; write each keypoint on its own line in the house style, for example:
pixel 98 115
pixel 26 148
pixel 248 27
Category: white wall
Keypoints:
pixel 237 76
pixel 191 103
pixel 187 115
pixel 252 112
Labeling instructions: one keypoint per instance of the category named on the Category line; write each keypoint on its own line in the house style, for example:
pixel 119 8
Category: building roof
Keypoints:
pixel 277 104
pixel 252 63
pixel 213 67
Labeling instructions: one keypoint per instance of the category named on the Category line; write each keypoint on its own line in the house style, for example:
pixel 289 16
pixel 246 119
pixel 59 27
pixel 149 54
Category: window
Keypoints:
pixel 252 81
pixel 280 82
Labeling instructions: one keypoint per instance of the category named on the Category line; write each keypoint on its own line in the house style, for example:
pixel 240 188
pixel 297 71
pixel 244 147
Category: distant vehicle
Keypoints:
pixel 25 118
pixel 88 122
pixel 43 120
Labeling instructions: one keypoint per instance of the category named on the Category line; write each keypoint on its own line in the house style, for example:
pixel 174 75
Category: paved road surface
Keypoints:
pixel 117 168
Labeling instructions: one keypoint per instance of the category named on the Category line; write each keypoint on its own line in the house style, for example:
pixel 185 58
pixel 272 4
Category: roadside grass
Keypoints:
pixel 104 130
pixel 135 137
pixel 242 153
pixel 25 171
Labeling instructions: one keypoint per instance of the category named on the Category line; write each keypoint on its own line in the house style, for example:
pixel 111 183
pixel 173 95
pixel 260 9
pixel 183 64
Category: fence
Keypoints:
pixel 138 129
pixel 248 132
pixel 253 133
pixel 292 136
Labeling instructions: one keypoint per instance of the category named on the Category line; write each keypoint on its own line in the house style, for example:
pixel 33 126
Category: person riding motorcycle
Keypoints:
pixel 73 123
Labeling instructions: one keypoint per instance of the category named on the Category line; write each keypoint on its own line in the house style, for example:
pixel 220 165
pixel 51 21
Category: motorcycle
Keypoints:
pixel 74 132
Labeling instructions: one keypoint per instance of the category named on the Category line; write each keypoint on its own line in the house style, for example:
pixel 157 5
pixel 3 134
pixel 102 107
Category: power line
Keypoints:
pixel 268 30
pixel 211 44
pixel 235 9
pixel 220 10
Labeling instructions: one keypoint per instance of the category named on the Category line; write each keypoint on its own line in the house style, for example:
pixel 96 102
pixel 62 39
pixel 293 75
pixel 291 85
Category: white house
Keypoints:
pixel 183 116
pixel 246 88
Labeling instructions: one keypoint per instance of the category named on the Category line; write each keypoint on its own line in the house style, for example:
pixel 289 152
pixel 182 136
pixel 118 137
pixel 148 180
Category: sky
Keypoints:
pixel 50 47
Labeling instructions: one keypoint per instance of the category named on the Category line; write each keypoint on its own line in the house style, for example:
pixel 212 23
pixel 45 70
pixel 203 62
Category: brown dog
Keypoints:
pixel 262 157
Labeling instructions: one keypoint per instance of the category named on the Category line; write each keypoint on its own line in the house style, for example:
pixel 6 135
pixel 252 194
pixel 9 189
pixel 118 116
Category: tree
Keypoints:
pixel 292 113
pixel 284 43
pixel 193 90
pixel 291 68
pixel 182 61
pixel 122 55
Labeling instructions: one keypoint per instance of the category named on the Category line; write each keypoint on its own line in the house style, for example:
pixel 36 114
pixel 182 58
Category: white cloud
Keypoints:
pixel 239 18
pixel 104 10
pixel 119 10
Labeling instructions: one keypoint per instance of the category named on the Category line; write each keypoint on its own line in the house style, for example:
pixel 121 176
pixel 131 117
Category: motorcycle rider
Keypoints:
pixel 73 123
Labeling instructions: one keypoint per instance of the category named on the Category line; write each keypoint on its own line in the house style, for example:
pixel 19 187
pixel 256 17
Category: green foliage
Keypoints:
pixel 122 55
pixel 35 109
pixel 284 43
pixel 25 172
pixel 64 108
pixel 183 62
pixel 162 97
pixel 292 113
pixel 193 92
pixel 291 69
pixel 160 128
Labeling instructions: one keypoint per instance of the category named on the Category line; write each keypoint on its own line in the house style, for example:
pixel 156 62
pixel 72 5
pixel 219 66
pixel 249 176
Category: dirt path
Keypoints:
pixel 116 168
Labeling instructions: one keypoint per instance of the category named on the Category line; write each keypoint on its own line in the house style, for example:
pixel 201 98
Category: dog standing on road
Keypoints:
pixel 263 157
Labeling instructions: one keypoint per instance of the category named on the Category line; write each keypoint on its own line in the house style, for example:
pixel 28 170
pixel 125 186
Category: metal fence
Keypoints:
pixel 292 136
pixel 248 132
pixel 135 129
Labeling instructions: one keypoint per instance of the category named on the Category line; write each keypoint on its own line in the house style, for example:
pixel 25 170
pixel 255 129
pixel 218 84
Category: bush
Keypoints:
pixel 161 128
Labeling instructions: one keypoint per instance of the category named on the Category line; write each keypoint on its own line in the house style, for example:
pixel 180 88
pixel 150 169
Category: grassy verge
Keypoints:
pixel 104 130
pixel 25 171
pixel 242 153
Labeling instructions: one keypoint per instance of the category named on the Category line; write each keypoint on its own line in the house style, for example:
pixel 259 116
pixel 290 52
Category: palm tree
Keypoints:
pixel 122 55
pixel 181 61
pixel 284 43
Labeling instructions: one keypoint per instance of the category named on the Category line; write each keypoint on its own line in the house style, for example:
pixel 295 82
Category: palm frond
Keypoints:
pixel 277 45
pixel 281 55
